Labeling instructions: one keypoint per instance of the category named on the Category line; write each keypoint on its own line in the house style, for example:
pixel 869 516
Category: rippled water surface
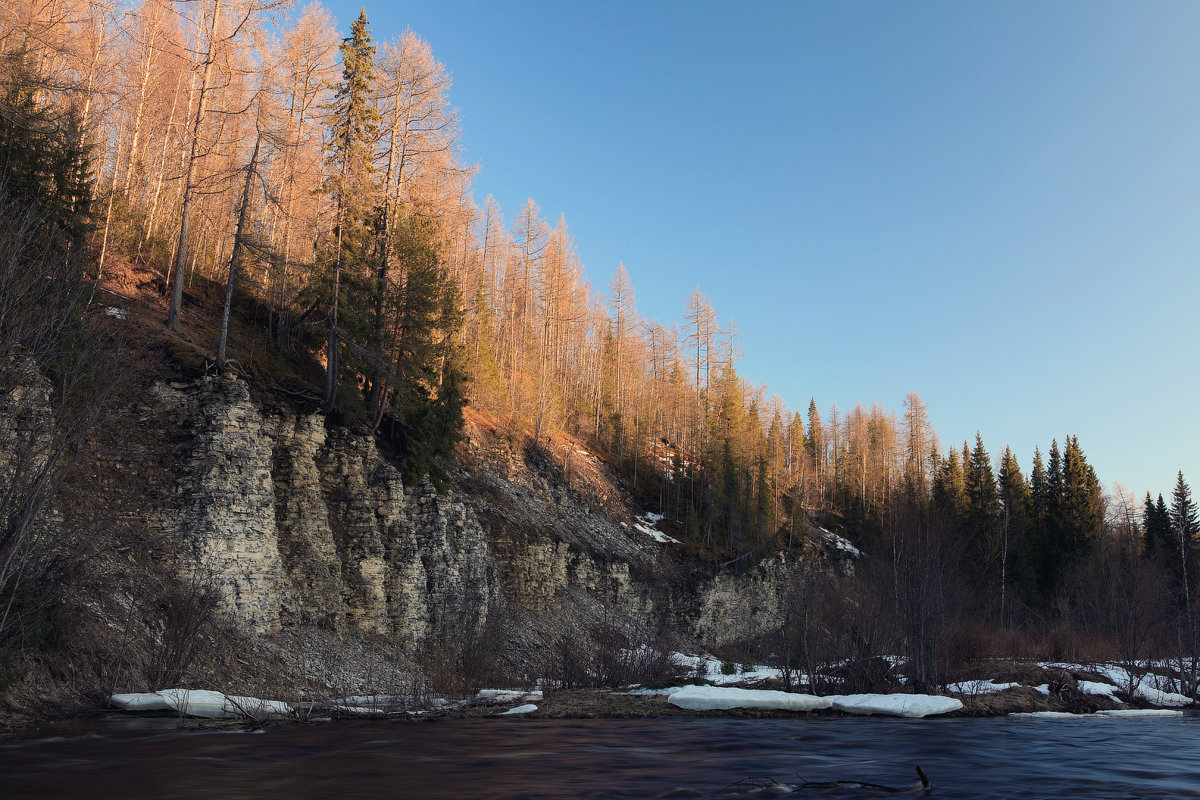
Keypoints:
pixel 525 758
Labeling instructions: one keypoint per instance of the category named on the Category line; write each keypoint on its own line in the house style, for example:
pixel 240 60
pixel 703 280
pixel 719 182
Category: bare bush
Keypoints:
pixel 473 660
pixel 58 375
pixel 608 655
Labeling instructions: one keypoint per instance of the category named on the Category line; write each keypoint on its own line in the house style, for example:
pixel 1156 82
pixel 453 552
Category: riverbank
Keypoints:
pixel 991 689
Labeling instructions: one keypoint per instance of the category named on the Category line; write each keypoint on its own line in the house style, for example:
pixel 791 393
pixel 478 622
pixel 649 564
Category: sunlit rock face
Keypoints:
pixel 296 524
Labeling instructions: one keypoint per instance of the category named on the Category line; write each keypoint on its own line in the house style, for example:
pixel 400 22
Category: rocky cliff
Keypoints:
pixel 296 526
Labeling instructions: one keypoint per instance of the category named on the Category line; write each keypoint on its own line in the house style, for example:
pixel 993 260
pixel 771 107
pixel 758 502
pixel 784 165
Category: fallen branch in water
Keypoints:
pixel 922 785
pixel 757 784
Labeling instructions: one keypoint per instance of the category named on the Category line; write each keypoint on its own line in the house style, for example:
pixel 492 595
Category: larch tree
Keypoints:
pixel 624 322
pixel 208 22
pixel 308 48
pixel 919 441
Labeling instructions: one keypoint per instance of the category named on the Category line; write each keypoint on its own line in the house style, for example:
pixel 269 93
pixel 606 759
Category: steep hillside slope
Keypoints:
pixel 228 530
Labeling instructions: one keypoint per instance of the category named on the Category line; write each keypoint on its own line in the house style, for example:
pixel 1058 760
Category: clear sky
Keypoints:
pixel 994 204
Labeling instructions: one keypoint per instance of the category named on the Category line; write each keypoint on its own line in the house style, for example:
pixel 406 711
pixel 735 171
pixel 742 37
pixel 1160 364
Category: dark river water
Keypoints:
pixel 492 759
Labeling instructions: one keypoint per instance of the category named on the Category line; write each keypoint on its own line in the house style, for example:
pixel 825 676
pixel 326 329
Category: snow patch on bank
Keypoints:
pixel 1154 689
pixel 711 698
pixel 140 701
pixel 712 669
pixel 215 705
pixel 1098 689
pixel 505 696
pixel 979 687
pixel 912 706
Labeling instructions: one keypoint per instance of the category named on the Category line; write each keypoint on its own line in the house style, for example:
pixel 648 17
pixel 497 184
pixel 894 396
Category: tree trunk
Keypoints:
pixel 237 250
pixel 181 252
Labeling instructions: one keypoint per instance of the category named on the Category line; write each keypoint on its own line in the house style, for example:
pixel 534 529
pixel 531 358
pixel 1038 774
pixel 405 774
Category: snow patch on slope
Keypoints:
pixel 645 524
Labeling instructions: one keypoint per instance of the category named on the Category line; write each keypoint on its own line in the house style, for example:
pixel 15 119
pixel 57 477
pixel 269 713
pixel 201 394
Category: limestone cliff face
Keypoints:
pixel 299 525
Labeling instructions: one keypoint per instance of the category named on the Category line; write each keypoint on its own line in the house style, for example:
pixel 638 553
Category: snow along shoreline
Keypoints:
pixel 1069 691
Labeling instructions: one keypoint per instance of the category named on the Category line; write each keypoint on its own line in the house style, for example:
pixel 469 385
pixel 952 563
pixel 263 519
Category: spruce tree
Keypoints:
pixel 949 489
pixel 1039 516
pixel 350 182
pixel 1184 527
pixel 44 155
pixel 1073 513
pixel 815 445
pixel 423 360
pixel 983 501
pixel 1156 529
pixel 1039 488
pixel 1051 557
pixel 981 521
pixel 1016 506
pixel 1183 512
pixel 1081 511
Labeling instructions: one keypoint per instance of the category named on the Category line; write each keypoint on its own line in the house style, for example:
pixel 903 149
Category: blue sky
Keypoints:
pixel 994 204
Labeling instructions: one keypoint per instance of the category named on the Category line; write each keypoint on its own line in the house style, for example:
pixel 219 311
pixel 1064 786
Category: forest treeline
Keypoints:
pixel 250 144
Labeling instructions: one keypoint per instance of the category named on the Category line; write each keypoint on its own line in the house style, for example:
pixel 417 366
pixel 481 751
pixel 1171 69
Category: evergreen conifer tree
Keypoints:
pixel 1156 528
pixel 1016 505
pixel 1081 511
pixel 44 155
pixel 353 123
pixel 981 524
pixel 1039 520
pixel 949 489
pixel 1183 512
pixel 983 501
pixel 815 445
pixel 1184 527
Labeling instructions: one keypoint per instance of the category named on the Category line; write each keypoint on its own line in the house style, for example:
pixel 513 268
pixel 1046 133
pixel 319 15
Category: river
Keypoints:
pixel 492 759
